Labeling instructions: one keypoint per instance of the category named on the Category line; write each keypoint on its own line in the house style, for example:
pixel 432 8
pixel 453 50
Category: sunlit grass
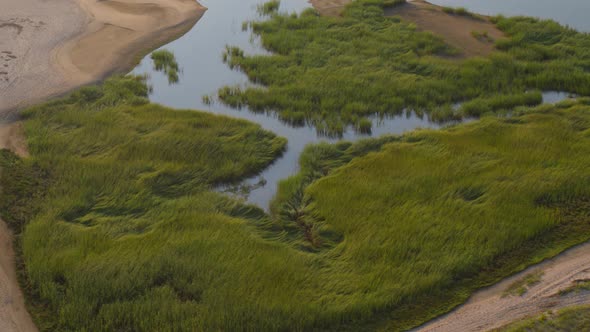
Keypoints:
pixel 426 218
pixel 337 71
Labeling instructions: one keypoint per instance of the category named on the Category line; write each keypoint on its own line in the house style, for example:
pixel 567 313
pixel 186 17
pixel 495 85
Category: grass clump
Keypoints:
pixel 444 212
pixel 521 286
pixel 334 71
pixel 165 61
pixel 578 286
pixel 460 11
pixel 269 8
pixel 570 319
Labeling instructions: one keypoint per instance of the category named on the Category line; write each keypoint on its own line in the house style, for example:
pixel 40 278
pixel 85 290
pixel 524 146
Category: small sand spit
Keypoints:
pixel 48 48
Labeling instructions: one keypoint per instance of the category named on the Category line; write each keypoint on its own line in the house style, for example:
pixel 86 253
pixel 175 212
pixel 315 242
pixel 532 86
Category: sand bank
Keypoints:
pixel 49 48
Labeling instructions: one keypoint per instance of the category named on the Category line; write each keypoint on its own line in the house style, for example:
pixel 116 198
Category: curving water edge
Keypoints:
pixel 203 72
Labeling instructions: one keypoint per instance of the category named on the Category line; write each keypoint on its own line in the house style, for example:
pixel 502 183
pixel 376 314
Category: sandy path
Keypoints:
pixel 13 313
pixel 490 308
pixel 455 30
pixel 48 48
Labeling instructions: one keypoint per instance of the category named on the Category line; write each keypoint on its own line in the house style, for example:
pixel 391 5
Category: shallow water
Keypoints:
pixel 203 72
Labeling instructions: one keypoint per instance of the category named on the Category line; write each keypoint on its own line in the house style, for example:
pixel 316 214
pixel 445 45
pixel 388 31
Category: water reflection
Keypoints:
pixel 200 54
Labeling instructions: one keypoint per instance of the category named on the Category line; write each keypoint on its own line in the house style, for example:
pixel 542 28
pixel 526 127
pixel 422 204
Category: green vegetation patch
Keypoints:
pixel 566 320
pixel 577 287
pixel 461 11
pixel 420 221
pixel 125 232
pixel 128 234
pixel 332 72
pixel 521 286
pixel 165 61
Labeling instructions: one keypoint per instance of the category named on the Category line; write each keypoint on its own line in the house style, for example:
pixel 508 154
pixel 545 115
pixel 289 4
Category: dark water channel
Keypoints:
pixel 199 54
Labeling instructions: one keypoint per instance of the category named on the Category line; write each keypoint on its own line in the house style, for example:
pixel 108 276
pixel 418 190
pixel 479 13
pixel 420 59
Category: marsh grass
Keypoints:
pixel 445 212
pixel 571 319
pixel 384 233
pixel 165 61
pixel 332 72
pixel 269 8
pixel 118 209
pixel 460 11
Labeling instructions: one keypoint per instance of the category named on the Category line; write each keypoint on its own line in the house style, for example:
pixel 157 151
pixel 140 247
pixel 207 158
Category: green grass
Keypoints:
pixel 566 320
pixel 123 231
pixel 577 287
pixel 165 61
pixel 269 8
pixel 337 71
pixel 460 11
pixel 420 221
pixel 521 286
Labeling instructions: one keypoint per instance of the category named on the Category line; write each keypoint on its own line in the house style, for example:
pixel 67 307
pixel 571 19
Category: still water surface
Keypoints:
pixel 199 54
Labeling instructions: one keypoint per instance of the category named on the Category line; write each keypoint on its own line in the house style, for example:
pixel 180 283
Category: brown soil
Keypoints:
pixel 493 307
pixel 456 30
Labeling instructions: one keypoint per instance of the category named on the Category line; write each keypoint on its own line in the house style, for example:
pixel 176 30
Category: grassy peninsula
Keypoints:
pixel 334 72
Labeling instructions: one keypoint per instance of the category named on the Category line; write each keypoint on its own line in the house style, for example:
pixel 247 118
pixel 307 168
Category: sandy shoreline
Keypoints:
pixel 489 308
pixel 48 48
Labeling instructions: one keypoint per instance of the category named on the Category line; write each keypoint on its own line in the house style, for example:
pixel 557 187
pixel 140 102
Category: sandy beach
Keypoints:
pixel 48 48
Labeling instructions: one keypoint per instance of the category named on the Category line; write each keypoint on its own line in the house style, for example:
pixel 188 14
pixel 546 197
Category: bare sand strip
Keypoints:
pixel 492 308
pixel 13 313
pixel 48 48
pixel 455 30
